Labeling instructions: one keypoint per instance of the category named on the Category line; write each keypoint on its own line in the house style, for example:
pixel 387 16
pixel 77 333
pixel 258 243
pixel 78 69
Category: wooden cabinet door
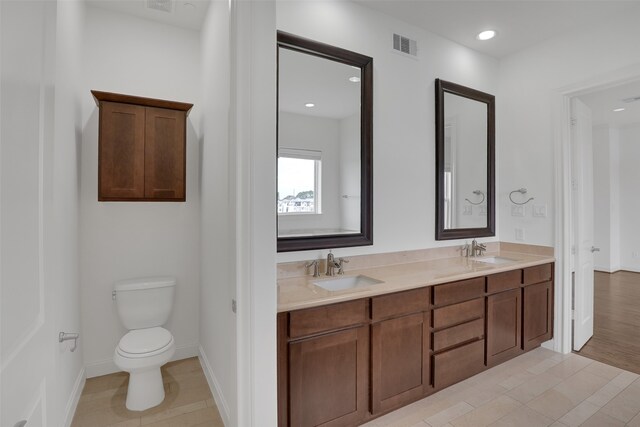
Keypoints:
pixel 503 326
pixel 537 302
pixel 165 154
pixel 399 361
pixel 121 154
pixel 328 379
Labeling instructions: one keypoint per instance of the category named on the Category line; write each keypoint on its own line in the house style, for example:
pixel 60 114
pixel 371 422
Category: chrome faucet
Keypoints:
pixel 332 265
pixel 465 250
pixel 341 262
pixel 314 264
pixel 477 249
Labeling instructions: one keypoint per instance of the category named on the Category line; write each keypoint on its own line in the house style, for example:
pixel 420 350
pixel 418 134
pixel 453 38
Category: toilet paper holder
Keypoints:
pixel 66 336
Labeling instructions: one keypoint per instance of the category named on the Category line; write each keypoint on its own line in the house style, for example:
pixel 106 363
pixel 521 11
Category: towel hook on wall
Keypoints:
pixel 522 191
pixel 477 192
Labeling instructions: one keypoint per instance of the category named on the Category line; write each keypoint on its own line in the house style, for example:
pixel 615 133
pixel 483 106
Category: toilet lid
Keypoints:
pixel 147 340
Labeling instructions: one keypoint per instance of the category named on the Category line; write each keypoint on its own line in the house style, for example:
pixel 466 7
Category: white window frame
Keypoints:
pixel 306 154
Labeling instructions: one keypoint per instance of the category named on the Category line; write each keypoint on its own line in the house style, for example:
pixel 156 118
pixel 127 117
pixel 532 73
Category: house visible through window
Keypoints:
pixel 299 181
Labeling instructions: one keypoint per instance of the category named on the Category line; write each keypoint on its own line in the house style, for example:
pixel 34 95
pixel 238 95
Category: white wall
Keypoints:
pixel 350 172
pixel 120 240
pixel 629 201
pixel 606 197
pixel 528 82
pixel 217 321
pixel 63 268
pixel 403 115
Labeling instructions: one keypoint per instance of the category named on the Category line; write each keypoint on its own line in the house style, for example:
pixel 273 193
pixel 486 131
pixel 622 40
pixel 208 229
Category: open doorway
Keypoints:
pixel 605 145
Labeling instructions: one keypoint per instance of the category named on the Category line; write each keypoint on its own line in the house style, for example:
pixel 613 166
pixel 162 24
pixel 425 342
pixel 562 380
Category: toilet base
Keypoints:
pixel 146 389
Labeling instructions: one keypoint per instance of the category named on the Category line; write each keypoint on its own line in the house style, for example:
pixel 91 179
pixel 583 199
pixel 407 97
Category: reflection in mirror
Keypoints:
pixel 324 146
pixel 319 146
pixel 465 170
pixel 465 161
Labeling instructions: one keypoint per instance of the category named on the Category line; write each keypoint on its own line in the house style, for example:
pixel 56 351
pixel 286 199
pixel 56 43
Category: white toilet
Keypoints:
pixel 144 305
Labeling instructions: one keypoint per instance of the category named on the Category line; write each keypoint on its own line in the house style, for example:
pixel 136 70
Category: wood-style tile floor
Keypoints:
pixel 539 388
pixel 616 326
pixel 188 401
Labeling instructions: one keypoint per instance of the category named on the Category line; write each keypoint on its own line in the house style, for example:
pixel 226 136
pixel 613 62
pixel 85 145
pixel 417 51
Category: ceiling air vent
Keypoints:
pixel 632 99
pixel 405 45
pixel 161 5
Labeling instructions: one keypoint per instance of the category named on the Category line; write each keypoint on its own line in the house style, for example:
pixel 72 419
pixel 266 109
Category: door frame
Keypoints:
pixel 561 107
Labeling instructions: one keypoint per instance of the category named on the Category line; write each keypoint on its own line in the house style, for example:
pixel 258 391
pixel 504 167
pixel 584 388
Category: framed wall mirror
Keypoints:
pixel 325 159
pixel 465 162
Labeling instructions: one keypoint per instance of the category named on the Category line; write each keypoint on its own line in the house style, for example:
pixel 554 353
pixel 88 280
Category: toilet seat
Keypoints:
pixel 147 342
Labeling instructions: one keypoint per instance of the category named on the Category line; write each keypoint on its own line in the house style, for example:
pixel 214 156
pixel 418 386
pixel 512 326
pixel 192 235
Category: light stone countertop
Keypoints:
pixel 300 292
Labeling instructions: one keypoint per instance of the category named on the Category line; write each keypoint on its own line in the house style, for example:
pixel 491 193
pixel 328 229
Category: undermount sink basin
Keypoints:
pixel 495 260
pixel 348 282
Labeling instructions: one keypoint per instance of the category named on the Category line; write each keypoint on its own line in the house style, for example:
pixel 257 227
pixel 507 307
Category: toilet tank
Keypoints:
pixel 145 302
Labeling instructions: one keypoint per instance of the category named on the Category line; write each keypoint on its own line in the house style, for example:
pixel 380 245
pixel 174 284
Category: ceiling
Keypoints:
pixel 520 23
pixel 602 104
pixel 184 13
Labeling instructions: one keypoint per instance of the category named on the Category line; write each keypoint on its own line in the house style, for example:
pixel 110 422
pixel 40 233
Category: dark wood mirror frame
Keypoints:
pixel 443 87
pixel 365 63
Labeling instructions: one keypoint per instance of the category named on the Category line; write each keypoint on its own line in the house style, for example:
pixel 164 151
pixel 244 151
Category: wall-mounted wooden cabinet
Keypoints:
pixel 141 148
pixel 344 364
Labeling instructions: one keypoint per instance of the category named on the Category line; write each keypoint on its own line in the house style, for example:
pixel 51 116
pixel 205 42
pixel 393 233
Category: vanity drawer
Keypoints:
pixel 537 274
pixel 451 293
pixel 458 364
pixel 392 305
pixel 504 281
pixel 327 318
pixel 458 313
pixel 458 334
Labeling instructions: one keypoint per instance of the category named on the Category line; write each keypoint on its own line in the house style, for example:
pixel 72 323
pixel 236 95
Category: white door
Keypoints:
pixel 26 333
pixel 582 176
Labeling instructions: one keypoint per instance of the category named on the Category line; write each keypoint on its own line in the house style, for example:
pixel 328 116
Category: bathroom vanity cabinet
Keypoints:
pixel 141 148
pixel 346 363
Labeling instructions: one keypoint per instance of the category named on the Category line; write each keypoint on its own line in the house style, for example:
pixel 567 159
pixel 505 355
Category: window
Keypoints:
pixel 298 181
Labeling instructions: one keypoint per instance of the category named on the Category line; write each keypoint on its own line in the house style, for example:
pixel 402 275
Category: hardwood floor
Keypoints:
pixel 616 329
pixel 187 403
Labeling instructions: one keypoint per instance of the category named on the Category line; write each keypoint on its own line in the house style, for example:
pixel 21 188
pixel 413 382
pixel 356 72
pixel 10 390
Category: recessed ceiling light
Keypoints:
pixel 617 110
pixel 354 79
pixel 309 105
pixel 486 35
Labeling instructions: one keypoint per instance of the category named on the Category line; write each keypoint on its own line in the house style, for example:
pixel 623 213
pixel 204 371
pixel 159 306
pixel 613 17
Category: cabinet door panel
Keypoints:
pixel 538 314
pixel 504 281
pixel 399 303
pixel 310 321
pixel 121 154
pixel 458 313
pixel 458 364
pixel 503 326
pixel 328 379
pixel 455 335
pixel 165 154
pixel 537 274
pixel 451 293
pixel 400 361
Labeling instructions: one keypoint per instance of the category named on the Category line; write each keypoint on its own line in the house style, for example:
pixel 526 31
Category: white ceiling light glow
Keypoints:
pixel 617 110
pixel 354 79
pixel 486 35
pixel 309 105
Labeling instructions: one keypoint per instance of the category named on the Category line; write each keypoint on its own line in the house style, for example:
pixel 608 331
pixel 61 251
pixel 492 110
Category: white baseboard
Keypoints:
pixel 633 269
pixel 72 404
pixel 223 408
pixel 106 366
